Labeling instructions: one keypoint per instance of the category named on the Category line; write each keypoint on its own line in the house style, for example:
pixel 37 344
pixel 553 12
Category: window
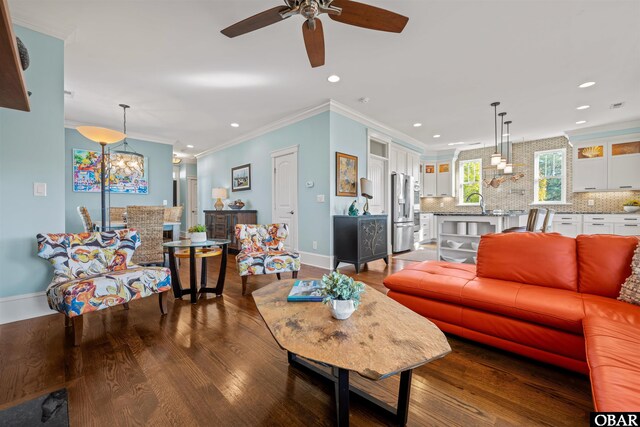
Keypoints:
pixel 470 178
pixel 550 176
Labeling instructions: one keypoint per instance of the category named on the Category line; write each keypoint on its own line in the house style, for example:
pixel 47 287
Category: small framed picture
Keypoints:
pixel 346 175
pixel 241 178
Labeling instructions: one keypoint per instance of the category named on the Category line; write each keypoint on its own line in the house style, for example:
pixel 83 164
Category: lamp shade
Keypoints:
pixel 219 193
pixel 101 135
pixel 366 188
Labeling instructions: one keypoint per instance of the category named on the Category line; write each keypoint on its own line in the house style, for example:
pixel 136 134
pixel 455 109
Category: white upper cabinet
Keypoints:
pixel 590 167
pixel 429 180
pixel 624 165
pixel 444 180
pixel 413 165
pixel 405 161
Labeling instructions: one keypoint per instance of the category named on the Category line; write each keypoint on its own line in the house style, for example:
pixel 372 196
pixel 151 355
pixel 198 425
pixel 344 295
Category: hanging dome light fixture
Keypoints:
pixel 508 169
pixel 503 161
pixel 495 157
pixel 126 161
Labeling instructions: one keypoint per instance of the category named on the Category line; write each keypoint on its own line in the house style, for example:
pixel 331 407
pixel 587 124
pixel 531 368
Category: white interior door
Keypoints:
pixel 377 174
pixel 192 202
pixel 285 193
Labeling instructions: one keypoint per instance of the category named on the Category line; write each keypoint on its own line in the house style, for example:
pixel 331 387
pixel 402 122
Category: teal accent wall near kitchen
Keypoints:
pixel 187 170
pixel 312 137
pixel 160 172
pixel 32 150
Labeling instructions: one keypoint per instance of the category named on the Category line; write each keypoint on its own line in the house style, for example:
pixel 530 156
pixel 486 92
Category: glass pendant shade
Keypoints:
pixel 508 168
pixel 502 164
pixel 126 163
pixel 495 159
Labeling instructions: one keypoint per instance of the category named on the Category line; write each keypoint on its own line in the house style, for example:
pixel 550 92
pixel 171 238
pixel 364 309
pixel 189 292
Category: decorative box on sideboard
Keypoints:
pixel 222 224
pixel 359 239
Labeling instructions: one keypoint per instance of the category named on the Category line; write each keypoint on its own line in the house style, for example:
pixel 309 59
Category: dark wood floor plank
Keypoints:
pixel 215 363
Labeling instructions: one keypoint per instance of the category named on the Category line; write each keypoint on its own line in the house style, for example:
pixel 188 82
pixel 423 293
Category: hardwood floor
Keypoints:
pixel 216 363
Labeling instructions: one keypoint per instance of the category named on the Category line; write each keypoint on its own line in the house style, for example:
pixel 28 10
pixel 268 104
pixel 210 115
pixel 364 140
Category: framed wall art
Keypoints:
pixel 241 178
pixel 346 175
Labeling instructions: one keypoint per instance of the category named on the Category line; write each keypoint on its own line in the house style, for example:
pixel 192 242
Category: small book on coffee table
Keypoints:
pixel 306 290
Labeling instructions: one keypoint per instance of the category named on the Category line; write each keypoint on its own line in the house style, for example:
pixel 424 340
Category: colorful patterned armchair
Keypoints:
pixel 263 251
pixel 93 271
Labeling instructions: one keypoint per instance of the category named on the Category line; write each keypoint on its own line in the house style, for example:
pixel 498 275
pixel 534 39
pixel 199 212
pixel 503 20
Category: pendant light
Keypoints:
pixel 508 169
pixel 126 161
pixel 503 161
pixel 495 157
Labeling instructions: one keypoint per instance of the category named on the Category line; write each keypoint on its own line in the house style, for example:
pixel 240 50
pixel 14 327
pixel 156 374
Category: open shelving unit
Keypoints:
pixel 448 230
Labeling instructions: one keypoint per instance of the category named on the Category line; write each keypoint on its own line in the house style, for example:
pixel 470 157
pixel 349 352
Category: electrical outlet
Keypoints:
pixel 591 202
pixel 164 203
pixel 40 189
pixel 442 204
pixel 320 198
pixel 315 245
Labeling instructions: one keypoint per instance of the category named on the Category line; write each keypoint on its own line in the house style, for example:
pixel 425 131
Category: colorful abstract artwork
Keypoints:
pixel 86 175
pixel 346 175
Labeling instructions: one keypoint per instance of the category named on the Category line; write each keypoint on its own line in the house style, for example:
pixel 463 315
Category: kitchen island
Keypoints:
pixel 459 233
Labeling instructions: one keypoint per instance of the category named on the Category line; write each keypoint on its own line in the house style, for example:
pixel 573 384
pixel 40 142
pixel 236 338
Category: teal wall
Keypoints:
pixel 32 150
pixel 312 137
pixel 186 170
pixel 160 172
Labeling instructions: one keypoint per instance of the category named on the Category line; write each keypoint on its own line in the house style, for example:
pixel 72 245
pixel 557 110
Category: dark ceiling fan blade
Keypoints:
pixel 255 22
pixel 365 16
pixel 314 42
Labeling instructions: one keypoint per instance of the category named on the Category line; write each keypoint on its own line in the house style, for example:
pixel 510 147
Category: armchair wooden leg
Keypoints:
pixel 162 301
pixel 67 322
pixel 126 305
pixel 244 284
pixel 294 274
pixel 278 276
pixel 77 330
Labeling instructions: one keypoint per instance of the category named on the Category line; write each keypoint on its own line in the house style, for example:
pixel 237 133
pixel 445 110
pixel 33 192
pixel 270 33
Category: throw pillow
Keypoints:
pixel 630 291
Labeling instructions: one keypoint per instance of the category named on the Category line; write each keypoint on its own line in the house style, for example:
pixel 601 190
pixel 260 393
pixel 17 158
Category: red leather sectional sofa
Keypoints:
pixel 544 296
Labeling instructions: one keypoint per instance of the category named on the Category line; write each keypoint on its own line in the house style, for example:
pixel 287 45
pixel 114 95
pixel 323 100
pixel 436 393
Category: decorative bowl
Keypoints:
pixel 474 245
pixel 453 244
pixel 631 209
pixel 237 205
pixel 451 259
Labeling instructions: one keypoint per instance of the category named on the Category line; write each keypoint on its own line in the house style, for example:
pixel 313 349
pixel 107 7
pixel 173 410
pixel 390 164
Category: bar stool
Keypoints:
pixel 203 254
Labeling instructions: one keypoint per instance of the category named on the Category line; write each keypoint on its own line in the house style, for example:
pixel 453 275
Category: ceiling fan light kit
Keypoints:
pixel 344 11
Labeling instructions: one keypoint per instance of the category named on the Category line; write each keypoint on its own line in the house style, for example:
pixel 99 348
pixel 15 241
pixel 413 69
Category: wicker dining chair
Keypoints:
pixel 173 214
pixel 86 219
pixel 148 221
pixel 118 214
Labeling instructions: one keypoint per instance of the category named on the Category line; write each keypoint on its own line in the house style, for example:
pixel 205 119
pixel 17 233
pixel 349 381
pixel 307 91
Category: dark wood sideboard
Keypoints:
pixel 222 224
pixel 359 239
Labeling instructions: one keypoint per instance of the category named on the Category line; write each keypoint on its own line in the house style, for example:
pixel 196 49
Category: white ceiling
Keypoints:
pixel 186 82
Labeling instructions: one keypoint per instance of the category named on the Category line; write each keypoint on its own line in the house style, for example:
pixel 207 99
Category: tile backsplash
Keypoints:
pixel 519 195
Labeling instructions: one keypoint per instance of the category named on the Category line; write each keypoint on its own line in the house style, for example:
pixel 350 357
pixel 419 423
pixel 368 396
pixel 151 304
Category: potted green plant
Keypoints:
pixel 631 205
pixel 198 233
pixel 341 293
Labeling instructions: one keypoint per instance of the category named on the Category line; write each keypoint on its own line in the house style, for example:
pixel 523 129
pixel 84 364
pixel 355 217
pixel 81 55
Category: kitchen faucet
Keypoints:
pixel 484 212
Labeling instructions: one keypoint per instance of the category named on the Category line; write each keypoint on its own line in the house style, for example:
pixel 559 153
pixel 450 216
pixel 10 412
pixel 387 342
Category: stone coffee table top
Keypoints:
pixel 380 339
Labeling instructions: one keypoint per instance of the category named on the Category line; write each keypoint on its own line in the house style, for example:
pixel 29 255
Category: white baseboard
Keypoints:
pixel 21 307
pixel 316 260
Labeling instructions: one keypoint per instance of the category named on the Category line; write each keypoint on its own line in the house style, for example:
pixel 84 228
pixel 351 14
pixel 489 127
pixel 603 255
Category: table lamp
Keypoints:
pixel 366 190
pixel 103 137
pixel 219 193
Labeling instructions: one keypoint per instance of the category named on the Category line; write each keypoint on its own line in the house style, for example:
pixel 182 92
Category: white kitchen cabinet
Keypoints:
pixel 429 180
pixel 597 228
pixel 413 167
pixel 570 229
pixel 444 179
pixel 627 229
pixel 624 166
pixel 590 166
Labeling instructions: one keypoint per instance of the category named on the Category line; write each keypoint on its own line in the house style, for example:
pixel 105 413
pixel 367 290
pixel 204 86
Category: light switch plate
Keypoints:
pixel 164 203
pixel 40 189
pixel 320 198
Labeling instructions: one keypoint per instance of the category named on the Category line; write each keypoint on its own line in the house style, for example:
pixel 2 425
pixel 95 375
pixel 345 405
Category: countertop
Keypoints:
pixel 479 214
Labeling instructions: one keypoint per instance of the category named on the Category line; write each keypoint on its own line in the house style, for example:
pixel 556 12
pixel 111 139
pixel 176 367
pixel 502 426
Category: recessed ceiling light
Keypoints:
pixel 436 136
pixel 455 143
pixel 583 107
pixel 333 78
pixel 189 146
pixel 581 122
pixel 586 84
pixel 235 125
pixel 417 125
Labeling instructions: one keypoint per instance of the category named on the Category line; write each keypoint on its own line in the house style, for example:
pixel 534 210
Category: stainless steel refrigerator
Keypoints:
pixel 402 193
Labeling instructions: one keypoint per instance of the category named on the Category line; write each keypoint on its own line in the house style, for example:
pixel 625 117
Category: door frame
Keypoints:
pixel 279 153
pixel 386 140
pixel 188 204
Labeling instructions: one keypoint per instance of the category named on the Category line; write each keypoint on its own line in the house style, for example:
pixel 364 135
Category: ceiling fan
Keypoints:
pixel 345 11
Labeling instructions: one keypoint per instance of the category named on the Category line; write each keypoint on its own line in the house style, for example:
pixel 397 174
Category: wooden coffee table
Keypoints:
pixel 382 338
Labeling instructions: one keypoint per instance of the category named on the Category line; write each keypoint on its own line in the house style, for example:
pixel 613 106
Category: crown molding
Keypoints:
pixel 72 124
pixel 602 130
pixel 286 121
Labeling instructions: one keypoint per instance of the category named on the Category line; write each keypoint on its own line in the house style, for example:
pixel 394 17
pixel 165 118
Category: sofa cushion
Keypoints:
pixel 604 263
pixel 432 279
pixel 612 309
pixel 543 259
pixel 556 308
pixel 614 363
pixel 84 295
